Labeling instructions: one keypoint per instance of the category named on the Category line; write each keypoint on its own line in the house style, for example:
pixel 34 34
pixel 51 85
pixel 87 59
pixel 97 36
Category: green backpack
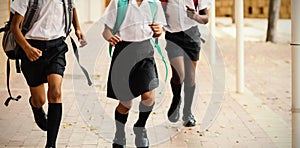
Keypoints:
pixel 121 13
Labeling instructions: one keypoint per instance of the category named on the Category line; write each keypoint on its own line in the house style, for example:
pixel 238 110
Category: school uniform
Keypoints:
pixel 47 34
pixel 133 70
pixel 182 33
pixel 183 40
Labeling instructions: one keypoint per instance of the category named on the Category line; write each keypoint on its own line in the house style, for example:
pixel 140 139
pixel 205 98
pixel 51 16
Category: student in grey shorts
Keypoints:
pixel 43 58
pixel 183 48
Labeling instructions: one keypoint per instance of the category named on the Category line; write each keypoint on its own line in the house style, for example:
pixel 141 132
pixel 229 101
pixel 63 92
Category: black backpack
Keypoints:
pixel 10 45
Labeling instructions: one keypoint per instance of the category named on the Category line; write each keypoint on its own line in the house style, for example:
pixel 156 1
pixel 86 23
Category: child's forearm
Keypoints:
pixel 202 19
pixel 16 31
pixel 112 39
pixel 107 34
pixel 75 21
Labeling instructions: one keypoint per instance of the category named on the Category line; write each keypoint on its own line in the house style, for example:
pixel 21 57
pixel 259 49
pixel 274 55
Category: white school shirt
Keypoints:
pixel 135 26
pixel 176 14
pixel 51 21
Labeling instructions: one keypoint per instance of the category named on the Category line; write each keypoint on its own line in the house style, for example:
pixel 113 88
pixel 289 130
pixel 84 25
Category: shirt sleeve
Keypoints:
pixel 19 6
pixel 160 15
pixel 74 3
pixel 202 4
pixel 110 14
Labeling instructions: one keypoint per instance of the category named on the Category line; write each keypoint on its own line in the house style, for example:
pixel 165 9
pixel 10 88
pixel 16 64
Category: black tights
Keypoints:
pixel 183 71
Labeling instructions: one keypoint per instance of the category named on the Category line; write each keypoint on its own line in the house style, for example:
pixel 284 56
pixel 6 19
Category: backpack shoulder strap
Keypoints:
pixel 121 13
pixel 31 15
pixel 164 4
pixel 196 4
pixel 68 19
pixel 153 8
pixel 7 85
pixel 122 9
pixel 68 14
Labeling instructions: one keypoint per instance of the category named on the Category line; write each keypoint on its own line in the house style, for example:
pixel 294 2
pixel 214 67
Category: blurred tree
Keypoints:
pixel 274 9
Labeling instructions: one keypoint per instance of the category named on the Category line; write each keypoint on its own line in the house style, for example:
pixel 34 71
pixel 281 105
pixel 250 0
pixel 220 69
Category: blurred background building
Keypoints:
pixel 252 8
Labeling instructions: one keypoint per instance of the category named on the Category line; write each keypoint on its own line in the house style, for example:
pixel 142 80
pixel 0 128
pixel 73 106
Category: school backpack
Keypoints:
pixel 121 13
pixel 11 47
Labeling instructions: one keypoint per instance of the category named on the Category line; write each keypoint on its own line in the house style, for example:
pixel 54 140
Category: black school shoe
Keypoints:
pixel 114 145
pixel 141 138
pixel 119 142
pixel 40 116
pixel 188 120
pixel 173 112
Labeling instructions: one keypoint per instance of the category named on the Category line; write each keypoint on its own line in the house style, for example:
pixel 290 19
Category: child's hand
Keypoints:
pixel 81 38
pixel 114 40
pixel 157 30
pixel 190 12
pixel 32 53
pixel 82 42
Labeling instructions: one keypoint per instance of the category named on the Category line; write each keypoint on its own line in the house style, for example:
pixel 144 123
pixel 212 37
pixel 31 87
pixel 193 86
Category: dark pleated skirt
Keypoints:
pixel 132 71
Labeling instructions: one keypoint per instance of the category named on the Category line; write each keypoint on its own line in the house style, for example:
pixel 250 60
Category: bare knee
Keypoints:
pixel 54 88
pixel 37 100
pixel 38 96
pixel 124 107
pixel 54 95
pixel 148 98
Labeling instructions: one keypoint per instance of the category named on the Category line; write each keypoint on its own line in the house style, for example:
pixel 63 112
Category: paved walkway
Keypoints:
pixel 260 117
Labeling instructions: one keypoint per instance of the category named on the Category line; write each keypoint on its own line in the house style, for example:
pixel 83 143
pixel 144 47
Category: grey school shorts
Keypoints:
pixel 184 43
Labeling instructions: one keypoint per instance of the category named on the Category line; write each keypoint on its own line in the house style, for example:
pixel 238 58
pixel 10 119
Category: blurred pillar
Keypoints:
pixel 239 17
pixel 212 27
pixel 295 73
pixel 90 10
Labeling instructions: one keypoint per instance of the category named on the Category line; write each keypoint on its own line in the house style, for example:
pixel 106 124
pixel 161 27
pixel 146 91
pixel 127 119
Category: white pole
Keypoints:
pixel 295 73
pixel 212 26
pixel 239 17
